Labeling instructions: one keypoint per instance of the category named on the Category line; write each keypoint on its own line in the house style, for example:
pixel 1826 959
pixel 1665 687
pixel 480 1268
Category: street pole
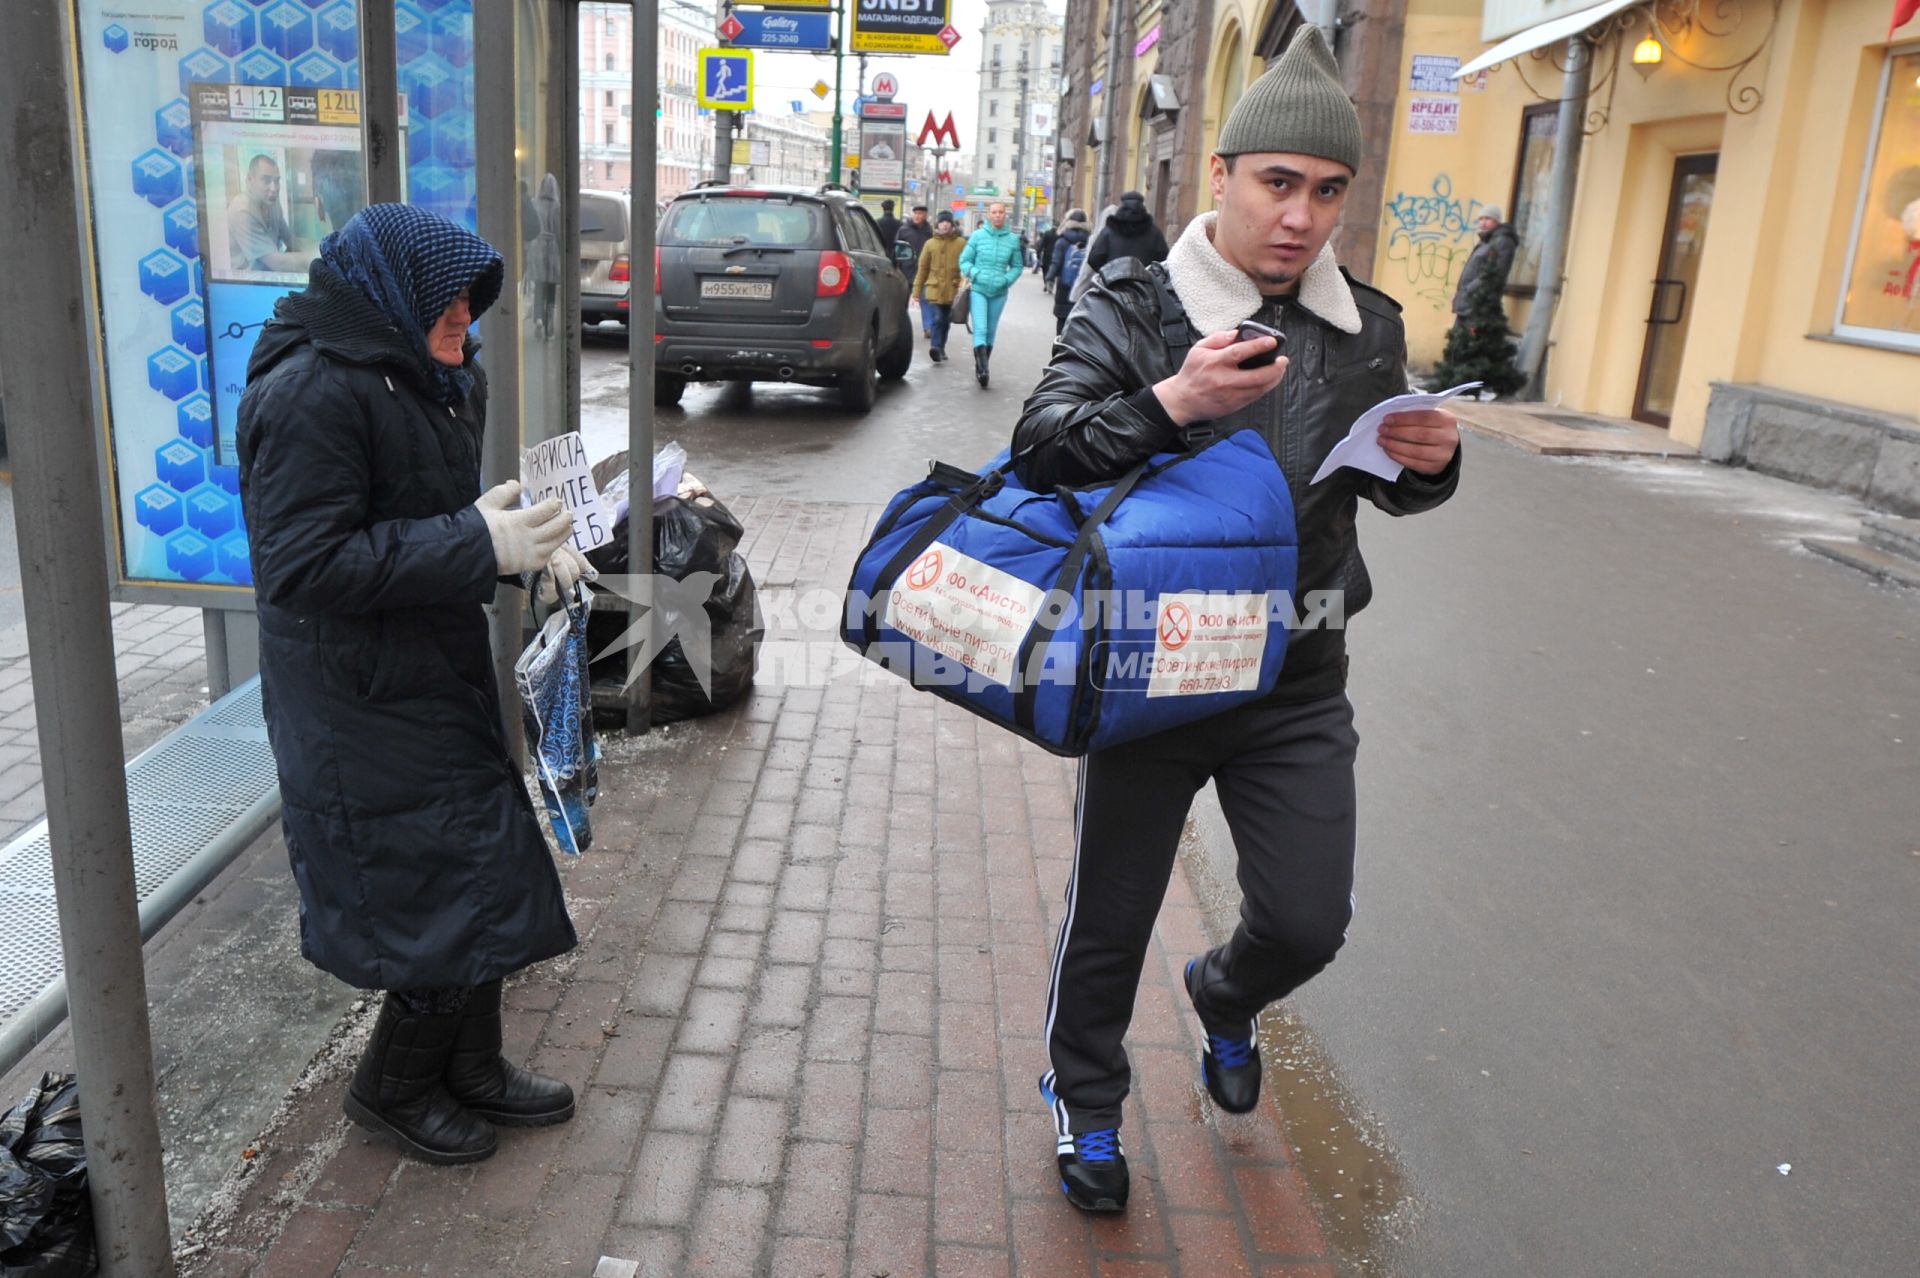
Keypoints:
pixel 722 143
pixel 1020 153
pixel 495 129
pixel 1109 98
pixel 834 168
pixel 45 365
pixel 640 363
pixel 1564 176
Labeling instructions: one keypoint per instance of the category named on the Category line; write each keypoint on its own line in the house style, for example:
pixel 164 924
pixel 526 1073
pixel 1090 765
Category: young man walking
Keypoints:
pixel 1125 384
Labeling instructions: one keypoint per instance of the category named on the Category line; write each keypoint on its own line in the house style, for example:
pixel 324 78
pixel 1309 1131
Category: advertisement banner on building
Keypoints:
pixel 223 144
pixel 1040 117
pixel 1433 73
pixel 904 26
pixel 1433 115
pixel 883 156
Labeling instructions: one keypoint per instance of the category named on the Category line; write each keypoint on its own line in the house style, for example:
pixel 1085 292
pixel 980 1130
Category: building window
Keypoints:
pixel 1881 300
pixel 1532 171
pixel 609 60
pixel 993 106
pixel 993 135
pixel 992 161
pixel 606 98
pixel 609 132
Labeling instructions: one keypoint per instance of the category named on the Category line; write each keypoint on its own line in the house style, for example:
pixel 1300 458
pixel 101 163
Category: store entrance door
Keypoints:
pixel 1670 310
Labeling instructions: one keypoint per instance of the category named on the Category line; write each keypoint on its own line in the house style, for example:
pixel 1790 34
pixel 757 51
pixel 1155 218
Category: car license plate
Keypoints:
pixel 752 290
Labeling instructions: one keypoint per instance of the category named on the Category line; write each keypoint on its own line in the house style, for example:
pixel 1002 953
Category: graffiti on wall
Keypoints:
pixel 1431 236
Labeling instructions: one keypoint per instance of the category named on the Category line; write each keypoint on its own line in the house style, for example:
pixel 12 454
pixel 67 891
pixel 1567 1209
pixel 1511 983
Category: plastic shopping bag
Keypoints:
pixel 556 705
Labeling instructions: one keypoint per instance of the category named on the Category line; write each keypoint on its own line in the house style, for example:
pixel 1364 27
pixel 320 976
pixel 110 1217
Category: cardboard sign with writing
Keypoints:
pixel 558 467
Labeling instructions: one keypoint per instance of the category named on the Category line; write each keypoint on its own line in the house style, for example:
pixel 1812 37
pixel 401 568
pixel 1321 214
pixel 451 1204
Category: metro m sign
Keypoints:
pixel 902 26
pixel 943 133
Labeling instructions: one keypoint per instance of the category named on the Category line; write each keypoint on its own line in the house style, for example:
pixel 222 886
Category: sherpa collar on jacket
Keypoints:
pixel 1218 296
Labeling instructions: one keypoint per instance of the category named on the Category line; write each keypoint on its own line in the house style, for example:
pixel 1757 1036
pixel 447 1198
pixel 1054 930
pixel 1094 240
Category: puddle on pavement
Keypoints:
pixel 1362 1198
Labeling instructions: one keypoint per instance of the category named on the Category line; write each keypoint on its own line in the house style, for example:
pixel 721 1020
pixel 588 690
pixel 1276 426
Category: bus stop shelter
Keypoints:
pixel 134 150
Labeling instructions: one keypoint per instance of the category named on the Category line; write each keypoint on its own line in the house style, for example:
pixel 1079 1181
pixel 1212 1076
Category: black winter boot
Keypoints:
pixel 981 354
pixel 397 1089
pixel 485 1082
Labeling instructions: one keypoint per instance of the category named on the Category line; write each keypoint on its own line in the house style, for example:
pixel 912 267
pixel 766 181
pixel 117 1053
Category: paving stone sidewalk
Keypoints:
pixel 804 1024
pixel 160 655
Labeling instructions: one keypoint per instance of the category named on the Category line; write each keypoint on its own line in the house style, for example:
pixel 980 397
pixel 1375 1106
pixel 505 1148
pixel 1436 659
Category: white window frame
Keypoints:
pixel 1858 332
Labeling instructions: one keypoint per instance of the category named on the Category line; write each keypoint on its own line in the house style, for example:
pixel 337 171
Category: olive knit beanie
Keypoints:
pixel 1297 106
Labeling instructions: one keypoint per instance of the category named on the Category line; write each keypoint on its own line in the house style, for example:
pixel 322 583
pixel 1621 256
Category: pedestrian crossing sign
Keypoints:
pixel 726 79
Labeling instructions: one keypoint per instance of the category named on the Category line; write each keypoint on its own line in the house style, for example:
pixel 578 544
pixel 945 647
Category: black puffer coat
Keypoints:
pixel 1129 232
pixel 1094 416
pixel 416 850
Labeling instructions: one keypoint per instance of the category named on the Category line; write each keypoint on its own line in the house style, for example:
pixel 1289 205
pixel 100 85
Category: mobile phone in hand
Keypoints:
pixel 1251 330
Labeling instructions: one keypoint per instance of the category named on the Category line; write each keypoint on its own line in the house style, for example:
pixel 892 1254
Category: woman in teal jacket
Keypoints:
pixel 991 262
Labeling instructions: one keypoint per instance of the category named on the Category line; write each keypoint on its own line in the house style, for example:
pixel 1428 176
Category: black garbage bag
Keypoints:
pixel 689 536
pixel 46 1218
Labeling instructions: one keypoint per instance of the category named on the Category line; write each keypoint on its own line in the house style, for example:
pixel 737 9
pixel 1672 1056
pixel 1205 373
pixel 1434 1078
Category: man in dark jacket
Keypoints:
pixel 1061 272
pixel 914 233
pixel 1124 385
pixel 421 866
pixel 1493 255
pixel 888 224
pixel 1048 238
pixel 1129 232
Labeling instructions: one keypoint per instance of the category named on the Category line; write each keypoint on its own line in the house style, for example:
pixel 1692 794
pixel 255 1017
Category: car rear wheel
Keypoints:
pixel 859 388
pixel 667 389
pixel 899 357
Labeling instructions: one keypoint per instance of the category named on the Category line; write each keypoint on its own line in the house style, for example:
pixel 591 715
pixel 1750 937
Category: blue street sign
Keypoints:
pixel 799 107
pixel 782 29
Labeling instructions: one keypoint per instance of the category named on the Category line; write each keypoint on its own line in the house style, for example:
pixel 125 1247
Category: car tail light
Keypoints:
pixel 823 343
pixel 625 303
pixel 622 271
pixel 836 272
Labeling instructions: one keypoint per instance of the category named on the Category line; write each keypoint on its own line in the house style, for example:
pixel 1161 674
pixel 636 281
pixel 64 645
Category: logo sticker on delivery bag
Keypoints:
pixel 1206 643
pixel 964 609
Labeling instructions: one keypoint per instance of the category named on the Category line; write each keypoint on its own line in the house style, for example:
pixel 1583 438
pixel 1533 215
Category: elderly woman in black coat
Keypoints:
pixel 421 866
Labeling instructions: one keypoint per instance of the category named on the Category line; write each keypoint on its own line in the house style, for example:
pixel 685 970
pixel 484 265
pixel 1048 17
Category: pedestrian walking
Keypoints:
pixel 421 865
pixel 1150 360
pixel 1069 259
pixel 888 224
pixel 1086 277
pixel 914 233
pixel 1493 255
pixel 1128 231
pixel 990 264
pixel 936 281
pixel 1048 238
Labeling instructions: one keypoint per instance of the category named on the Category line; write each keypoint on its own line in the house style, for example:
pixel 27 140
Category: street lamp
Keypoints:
pixel 1647 55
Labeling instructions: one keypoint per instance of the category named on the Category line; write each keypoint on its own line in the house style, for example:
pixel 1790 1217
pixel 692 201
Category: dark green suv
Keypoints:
pixel 788 284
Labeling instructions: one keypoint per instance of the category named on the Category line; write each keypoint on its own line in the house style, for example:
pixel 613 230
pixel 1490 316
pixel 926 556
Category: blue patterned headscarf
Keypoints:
pixel 411 264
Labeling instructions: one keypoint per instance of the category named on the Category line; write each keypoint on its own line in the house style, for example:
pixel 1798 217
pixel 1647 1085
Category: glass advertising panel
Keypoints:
pixel 222 141
pixel 1881 301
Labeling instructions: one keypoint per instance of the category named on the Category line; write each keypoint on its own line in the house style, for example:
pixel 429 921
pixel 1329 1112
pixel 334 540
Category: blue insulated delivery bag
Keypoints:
pixel 1084 617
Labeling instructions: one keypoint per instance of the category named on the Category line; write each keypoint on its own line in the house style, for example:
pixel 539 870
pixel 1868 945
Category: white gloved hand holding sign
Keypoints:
pixel 523 538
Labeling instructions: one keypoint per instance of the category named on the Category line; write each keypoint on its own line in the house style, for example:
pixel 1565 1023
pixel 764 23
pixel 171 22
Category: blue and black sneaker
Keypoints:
pixel 1093 1167
pixel 1229 1064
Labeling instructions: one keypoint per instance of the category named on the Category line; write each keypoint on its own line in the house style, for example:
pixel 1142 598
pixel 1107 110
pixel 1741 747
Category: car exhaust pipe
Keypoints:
pixel 786 372
pixel 689 368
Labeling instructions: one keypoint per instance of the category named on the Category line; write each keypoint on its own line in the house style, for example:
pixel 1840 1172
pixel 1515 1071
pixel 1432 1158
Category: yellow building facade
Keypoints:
pixel 1743 235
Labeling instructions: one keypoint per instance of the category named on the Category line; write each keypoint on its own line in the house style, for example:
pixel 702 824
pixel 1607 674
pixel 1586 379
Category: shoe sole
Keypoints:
pixel 364 1116
pixel 1206 1080
pixel 552 1118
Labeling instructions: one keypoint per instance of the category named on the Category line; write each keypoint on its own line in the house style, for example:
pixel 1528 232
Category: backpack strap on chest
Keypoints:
pixel 1175 328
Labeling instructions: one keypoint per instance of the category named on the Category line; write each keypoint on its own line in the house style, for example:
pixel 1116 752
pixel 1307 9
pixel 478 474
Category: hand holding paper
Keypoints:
pixel 1361 448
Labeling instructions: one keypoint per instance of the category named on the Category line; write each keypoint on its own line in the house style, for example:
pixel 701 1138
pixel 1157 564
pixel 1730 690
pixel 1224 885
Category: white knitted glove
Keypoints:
pixel 523 540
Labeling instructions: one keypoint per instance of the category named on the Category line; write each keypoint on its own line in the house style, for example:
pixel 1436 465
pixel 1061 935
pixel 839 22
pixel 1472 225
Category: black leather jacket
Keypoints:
pixel 1093 417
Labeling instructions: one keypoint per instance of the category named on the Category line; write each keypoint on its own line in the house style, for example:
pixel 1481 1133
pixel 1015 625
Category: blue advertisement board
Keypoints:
pixel 223 143
pixel 778 29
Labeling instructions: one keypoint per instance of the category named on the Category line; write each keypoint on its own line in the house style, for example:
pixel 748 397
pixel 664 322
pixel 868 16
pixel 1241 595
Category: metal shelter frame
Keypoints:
pixel 52 368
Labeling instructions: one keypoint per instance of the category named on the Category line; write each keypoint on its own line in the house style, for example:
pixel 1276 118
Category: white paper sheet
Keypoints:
pixel 558 467
pixel 1361 448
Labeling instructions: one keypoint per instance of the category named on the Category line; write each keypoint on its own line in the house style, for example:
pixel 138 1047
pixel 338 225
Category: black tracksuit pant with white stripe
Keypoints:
pixel 1284 773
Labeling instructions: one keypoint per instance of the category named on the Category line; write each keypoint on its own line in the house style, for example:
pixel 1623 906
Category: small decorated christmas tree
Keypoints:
pixel 1480 344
